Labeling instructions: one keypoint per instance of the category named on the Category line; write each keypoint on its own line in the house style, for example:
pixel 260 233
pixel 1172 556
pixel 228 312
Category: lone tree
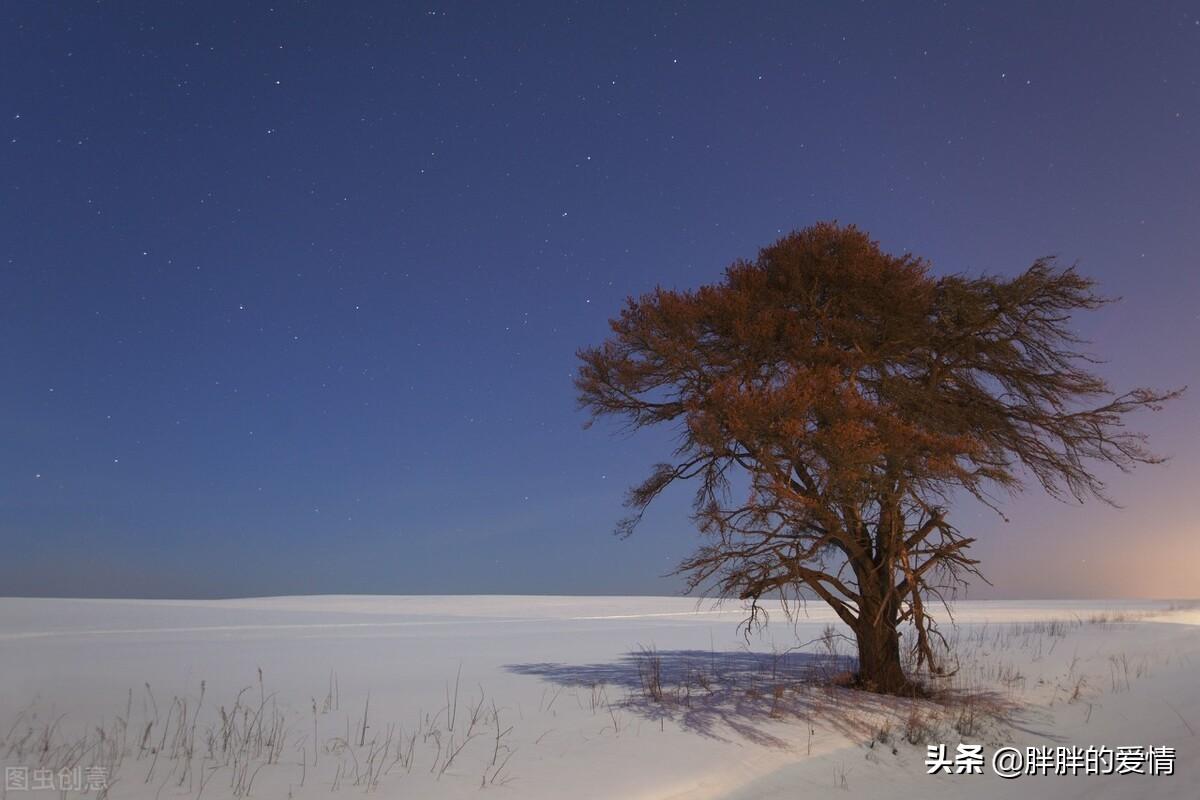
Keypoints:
pixel 831 399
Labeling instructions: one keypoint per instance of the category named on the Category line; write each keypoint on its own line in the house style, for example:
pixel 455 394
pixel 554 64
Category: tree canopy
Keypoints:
pixel 856 393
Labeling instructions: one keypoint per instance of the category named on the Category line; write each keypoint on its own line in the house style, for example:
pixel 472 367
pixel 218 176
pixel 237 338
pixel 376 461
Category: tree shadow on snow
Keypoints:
pixel 715 693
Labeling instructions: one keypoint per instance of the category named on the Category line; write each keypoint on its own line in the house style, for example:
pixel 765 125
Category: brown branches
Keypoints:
pixel 843 395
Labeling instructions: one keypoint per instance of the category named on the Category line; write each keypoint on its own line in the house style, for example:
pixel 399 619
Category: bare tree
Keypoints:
pixel 830 400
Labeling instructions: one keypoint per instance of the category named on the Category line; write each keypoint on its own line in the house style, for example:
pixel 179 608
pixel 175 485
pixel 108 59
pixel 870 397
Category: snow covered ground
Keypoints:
pixel 546 697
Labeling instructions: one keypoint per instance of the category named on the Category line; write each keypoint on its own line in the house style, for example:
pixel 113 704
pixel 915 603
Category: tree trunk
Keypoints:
pixel 879 668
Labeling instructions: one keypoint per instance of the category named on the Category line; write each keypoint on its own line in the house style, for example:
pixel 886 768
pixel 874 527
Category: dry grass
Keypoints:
pixel 190 744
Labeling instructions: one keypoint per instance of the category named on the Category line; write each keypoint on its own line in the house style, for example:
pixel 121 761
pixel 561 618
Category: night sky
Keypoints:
pixel 291 294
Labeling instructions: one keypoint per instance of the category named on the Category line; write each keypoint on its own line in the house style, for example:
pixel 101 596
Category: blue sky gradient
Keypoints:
pixel 291 295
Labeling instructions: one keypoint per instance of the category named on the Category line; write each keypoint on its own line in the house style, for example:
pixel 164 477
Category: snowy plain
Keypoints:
pixel 587 697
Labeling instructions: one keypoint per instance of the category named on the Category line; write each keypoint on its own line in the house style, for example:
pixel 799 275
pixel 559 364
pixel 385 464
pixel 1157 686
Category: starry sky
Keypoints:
pixel 291 293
